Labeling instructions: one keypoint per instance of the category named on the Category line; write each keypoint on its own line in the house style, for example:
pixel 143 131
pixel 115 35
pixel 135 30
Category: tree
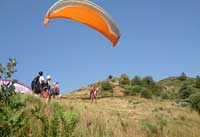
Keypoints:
pixel 195 101
pixel 147 81
pixel 146 93
pixel 132 90
pixel 106 86
pixel 136 81
pixel 110 77
pixel 124 79
pixel 9 70
pixel 197 83
pixel 185 91
pixel 182 77
pixel 7 89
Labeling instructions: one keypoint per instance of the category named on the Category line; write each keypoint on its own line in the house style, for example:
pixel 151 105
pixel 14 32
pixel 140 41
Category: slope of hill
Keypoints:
pixel 174 83
pixel 116 113
pixel 83 93
pixel 133 116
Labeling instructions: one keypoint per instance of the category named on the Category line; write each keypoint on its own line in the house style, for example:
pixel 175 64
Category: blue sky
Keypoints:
pixel 158 38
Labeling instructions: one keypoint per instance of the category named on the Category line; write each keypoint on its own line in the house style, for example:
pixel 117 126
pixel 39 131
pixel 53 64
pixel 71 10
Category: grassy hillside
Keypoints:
pixel 123 109
pixel 122 115
pixel 174 83
pixel 133 117
pixel 169 87
pixel 26 115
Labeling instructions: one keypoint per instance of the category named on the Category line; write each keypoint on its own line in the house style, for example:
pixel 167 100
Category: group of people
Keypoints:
pixel 44 88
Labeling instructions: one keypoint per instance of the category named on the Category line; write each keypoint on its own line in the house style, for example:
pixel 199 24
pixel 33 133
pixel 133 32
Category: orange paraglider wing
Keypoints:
pixel 87 13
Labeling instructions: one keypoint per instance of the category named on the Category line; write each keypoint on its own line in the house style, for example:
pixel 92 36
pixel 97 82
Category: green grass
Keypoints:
pixel 30 116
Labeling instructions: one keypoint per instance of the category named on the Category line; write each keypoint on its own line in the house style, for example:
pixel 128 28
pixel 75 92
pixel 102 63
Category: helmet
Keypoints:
pixel 48 77
pixel 40 73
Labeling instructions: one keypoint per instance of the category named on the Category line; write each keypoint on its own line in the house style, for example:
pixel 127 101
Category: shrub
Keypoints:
pixel 136 81
pixel 195 101
pixel 132 90
pixel 155 88
pixel 197 82
pixel 110 77
pixel 172 95
pixel 106 86
pixel 104 94
pixel 124 80
pixel 25 115
pixel 165 96
pixel 9 70
pixel 182 77
pixel 146 94
pixel 185 91
pixel 106 89
pixel 114 79
pixel 148 80
pixel 29 116
pixel 7 90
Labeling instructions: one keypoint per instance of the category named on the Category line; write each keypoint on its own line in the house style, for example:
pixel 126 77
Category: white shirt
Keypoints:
pixel 41 79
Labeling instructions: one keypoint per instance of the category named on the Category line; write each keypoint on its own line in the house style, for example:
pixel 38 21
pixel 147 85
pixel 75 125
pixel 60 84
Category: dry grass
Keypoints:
pixel 132 117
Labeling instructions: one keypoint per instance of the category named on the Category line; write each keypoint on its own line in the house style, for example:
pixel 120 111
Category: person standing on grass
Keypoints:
pixel 37 83
pixel 48 84
pixel 93 93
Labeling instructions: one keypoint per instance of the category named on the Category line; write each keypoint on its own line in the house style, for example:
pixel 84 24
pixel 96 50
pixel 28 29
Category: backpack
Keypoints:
pixel 34 83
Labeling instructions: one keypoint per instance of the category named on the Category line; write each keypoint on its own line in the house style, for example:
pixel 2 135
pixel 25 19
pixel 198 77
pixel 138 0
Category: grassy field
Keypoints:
pixel 114 115
pixel 75 116
pixel 132 117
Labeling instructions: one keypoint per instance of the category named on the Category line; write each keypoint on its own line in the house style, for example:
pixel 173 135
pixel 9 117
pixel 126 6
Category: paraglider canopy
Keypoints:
pixel 87 13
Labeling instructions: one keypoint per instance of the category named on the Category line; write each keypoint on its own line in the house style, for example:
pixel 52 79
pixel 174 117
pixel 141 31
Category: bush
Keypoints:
pixel 148 80
pixel 132 90
pixel 165 96
pixel 182 77
pixel 106 86
pixel 172 95
pixel 195 101
pixel 7 90
pixel 24 115
pixel 106 89
pixel 110 77
pixel 169 95
pixel 197 83
pixel 156 89
pixel 29 116
pixel 185 91
pixel 114 79
pixel 104 94
pixel 67 119
pixel 146 94
pixel 136 81
pixel 124 80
